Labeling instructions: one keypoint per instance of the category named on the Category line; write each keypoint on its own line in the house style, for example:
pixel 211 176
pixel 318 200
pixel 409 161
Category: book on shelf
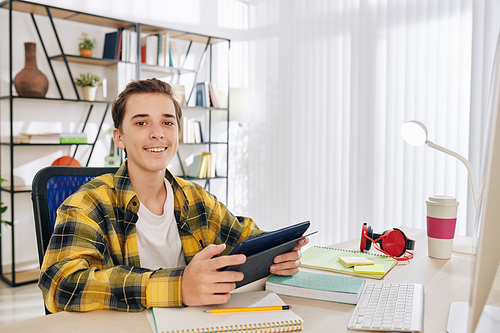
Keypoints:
pixel 111 40
pixel 324 287
pixel 73 138
pixel 191 131
pixel 172 52
pixel 179 93
pixel 119 48
pixel 195 167
pixel 163 53
pixel 132 49
pixel 206 95
pixel 152 49
pixel 203 166
pixel 65 138
pixel 18 139
pixel 196 319
pixel 42 137
pixel 327 258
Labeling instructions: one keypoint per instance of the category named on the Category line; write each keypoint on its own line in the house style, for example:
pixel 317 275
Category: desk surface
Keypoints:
pixel 445 281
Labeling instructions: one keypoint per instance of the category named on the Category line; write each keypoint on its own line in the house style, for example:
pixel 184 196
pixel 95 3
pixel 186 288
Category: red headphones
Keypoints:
pixel 393 243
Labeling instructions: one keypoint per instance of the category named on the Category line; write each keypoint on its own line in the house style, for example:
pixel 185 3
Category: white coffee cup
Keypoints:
pixel 441 222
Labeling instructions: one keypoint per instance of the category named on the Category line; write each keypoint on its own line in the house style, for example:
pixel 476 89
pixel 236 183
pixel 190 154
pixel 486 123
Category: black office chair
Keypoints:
pixel 51 186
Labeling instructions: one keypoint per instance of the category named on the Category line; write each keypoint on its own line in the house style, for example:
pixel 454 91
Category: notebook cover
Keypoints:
pixel 326 258
pixel 326 287
pixel 195 319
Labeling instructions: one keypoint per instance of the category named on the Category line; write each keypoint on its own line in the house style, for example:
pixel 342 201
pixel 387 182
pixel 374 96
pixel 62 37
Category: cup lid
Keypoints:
pixel 442 200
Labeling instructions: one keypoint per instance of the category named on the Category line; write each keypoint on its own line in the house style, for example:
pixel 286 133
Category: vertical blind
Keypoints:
pixel 331 83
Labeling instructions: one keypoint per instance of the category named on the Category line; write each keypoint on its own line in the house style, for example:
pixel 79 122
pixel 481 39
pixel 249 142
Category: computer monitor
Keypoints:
pixel 479 317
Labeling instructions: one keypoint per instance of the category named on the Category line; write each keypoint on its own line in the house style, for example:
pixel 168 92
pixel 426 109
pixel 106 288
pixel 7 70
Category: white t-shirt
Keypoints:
pixel 158 238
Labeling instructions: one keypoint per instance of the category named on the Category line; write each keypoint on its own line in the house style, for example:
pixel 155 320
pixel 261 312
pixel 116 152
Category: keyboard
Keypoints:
pixel 389 307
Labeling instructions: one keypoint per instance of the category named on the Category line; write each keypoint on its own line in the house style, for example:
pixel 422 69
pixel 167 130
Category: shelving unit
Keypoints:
pixel 17 278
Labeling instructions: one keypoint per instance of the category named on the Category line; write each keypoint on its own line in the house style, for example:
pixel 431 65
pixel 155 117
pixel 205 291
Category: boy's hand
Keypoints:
pixel 288 263
pixel 203 284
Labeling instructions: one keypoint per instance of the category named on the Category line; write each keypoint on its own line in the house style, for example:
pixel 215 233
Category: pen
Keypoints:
pixel 250 309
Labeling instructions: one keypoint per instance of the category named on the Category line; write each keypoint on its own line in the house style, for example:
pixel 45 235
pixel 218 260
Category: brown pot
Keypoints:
pixel 86 53
pixel 30 82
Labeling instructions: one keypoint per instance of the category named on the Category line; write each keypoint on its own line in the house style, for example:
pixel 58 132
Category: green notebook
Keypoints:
pixel 327 258
pixel 325 287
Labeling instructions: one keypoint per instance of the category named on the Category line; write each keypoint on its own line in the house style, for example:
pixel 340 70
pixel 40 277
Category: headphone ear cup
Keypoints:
pixel 394 242
pixel 366 230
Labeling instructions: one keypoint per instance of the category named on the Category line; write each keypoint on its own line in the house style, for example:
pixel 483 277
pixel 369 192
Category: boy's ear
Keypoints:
pixel 117 137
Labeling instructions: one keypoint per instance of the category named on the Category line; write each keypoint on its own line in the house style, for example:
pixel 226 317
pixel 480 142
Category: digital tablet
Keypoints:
pixel 262 250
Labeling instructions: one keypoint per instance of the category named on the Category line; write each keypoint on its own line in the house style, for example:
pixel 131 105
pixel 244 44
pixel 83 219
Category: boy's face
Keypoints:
pixel 149 132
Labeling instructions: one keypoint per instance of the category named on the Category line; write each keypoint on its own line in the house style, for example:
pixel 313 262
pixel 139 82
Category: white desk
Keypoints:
pixel 445 281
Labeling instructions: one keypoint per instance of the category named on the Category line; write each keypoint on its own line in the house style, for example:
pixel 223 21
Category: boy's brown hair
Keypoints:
pixel 143 86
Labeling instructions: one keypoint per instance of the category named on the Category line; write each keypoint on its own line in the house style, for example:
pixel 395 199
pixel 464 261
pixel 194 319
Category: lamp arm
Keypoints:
pixel 467 165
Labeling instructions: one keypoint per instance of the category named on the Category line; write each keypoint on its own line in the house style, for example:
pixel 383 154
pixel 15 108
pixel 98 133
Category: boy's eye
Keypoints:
pixel 140 123
pixel 169 123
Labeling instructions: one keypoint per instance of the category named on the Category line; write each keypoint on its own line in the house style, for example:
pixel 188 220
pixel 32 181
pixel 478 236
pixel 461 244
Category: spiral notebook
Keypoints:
pixel 195 319
pixel 327 258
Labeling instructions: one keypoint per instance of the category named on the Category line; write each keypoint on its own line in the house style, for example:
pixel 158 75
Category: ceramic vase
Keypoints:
pixel 30 81
pixel 89 93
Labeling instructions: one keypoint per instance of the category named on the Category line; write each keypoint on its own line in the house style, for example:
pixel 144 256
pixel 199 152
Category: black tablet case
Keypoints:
pixel 259 257
pixel 257 265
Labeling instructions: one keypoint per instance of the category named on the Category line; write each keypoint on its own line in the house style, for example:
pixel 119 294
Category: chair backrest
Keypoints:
pixel 51 186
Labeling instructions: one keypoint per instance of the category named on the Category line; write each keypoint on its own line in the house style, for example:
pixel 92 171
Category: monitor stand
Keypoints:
pixel 459 314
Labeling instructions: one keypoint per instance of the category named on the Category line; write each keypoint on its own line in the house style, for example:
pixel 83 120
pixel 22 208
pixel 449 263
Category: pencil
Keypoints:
pixel 250 309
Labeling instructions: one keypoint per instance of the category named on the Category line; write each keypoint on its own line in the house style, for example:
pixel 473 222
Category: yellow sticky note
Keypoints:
pixel 377 269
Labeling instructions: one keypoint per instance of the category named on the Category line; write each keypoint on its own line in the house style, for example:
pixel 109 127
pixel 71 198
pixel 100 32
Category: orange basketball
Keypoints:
pixel 66 161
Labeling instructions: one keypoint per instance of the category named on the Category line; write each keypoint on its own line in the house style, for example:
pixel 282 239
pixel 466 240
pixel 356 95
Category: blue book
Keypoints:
pixel 324 287
pixel 111 40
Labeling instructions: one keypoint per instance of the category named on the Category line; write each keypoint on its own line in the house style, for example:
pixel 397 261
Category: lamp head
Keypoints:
pixel 414 132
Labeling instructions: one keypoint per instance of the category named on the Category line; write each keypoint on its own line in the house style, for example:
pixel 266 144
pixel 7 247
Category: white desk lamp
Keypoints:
pixel 415 133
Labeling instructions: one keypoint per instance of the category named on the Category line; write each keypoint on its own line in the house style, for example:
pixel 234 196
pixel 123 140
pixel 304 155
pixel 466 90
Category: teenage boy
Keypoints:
pixel 143 238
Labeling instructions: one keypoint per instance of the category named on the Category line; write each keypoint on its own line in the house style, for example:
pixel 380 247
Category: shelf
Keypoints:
pixel 185 107
pixel 46 144
pixel 52 100
pixel 17 189
pixel 86 60
pixel 67 14
pixel 150 29
pixel 23 277
pixel 202 143
pixel 207 178
pixel 166 70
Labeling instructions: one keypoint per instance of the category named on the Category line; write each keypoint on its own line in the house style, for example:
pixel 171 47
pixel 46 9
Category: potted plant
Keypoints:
pixel 2 210
pixel 86 45
pixel 89 83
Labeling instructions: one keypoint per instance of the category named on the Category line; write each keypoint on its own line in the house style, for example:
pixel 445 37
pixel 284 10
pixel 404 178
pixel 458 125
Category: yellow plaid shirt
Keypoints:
pixel 92 261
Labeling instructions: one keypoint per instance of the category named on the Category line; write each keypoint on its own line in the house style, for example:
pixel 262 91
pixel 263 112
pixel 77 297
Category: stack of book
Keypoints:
pixel 324 287
pixel 191 131
pixel 203 166
pixel 206 95
pixel 51 138
pixel 121 45
pixel 158 49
